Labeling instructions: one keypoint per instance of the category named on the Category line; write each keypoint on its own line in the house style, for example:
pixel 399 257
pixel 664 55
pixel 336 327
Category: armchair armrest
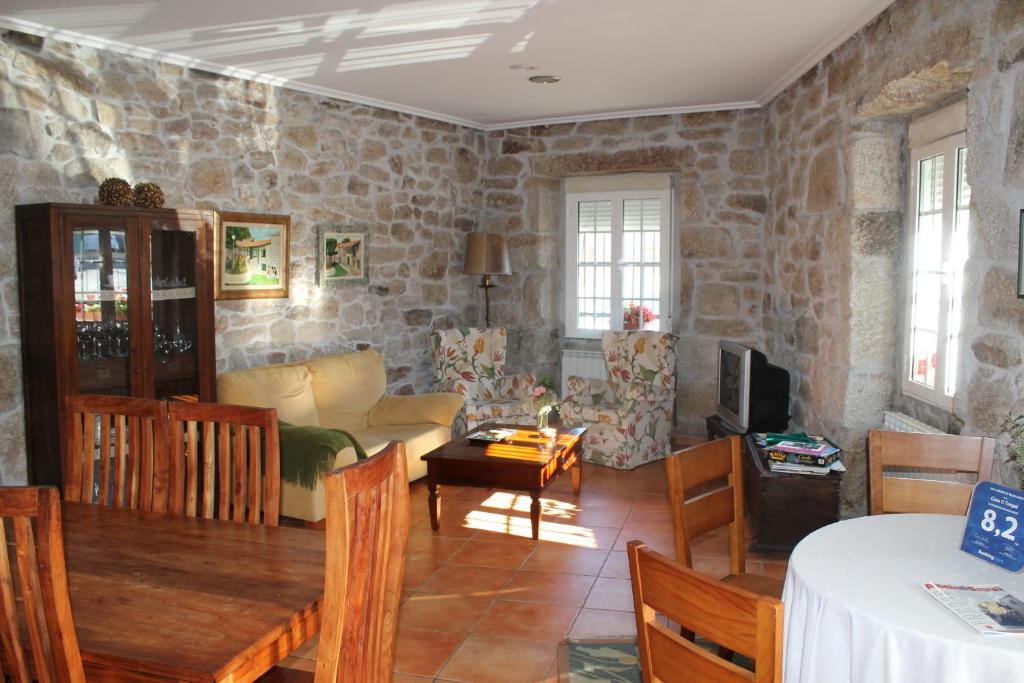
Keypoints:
pixel 455 386
pixel 439 408
pixel 515 386
pixel 588 391
pixel 638 391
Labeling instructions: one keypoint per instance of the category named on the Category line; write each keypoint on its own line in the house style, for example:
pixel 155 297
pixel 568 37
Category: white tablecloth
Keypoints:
pixel 854 609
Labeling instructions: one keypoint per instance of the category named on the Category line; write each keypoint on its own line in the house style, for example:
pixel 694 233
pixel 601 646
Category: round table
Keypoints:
pixel 855 610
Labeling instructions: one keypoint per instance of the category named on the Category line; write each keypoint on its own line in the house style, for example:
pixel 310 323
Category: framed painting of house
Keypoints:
pixel 342 255
pixel 251 256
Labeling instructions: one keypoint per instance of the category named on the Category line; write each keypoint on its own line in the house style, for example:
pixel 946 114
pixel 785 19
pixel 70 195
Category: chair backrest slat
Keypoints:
pixel 226 461
pixel 223 465
pixel 14 654
pixel 735 619
pixel 238 502
pixel 120 427
pixel 209 468
pixel 34 515
pixel 947 453
pixel 367 529
pixel 705 484
pixel 109 457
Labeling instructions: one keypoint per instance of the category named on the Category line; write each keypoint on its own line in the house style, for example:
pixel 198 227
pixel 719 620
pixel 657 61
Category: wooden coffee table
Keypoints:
pixel 526 461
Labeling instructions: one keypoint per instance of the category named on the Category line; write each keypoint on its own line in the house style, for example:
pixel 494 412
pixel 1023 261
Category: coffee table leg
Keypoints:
pixel 577 475
pixel 535 513
pixel 434 505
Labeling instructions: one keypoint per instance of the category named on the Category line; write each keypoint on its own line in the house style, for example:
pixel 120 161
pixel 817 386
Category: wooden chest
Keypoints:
pixel 782 508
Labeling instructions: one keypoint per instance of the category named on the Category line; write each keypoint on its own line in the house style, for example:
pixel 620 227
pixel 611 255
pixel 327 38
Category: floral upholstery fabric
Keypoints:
pixel 471 361
pixel 628 416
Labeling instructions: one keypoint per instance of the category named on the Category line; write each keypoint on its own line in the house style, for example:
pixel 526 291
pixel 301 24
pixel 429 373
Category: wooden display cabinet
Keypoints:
pixel 113 301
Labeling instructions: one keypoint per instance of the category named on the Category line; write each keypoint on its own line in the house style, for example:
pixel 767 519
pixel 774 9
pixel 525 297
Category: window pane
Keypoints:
pixel 927 294
pixel 930 192
pixel 593 264
pixel 641 259
pixel 923 359
pixel 927 277
pixel 955 265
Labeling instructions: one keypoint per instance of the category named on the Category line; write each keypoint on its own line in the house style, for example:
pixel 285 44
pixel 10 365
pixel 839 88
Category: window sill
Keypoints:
pixel 943 402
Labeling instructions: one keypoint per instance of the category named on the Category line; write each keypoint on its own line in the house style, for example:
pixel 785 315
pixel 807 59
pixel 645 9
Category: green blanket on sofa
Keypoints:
pixel 307 453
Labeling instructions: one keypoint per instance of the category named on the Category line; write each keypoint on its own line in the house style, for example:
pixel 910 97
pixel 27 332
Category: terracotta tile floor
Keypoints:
pixel 484 603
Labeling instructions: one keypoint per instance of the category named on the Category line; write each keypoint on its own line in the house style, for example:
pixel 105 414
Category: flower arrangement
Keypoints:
pixel 544 400
pixel 635 316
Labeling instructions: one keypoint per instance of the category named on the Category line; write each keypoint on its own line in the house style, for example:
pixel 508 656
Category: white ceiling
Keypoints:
pixel 449 59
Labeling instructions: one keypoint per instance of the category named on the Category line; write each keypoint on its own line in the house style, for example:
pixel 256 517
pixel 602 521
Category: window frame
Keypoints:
pixel 948 147
pixel 617 197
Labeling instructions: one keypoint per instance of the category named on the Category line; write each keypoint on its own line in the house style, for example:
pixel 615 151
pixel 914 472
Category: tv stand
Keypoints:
pixel 783 508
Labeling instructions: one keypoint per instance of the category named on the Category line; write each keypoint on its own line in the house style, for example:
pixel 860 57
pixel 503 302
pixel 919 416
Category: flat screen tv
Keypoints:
pixel 753 395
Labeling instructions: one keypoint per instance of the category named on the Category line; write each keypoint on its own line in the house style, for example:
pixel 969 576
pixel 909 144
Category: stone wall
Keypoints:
pixel 838 161
pixel 71 116
pixel 718 165
pixel 789 221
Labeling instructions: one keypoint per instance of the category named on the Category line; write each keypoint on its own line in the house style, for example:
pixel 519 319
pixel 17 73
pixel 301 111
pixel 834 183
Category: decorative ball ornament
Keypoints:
pixel 148 196
pixel 115 192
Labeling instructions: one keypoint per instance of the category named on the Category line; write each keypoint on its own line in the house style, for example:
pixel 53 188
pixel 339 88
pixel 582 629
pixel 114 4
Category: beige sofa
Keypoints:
pixel 343 392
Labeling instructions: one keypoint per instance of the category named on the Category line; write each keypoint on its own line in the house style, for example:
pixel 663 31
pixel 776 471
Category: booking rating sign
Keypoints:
pixel 993 532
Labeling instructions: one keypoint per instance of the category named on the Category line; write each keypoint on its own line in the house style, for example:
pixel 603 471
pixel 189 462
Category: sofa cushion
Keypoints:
pixel 419 440
pixel 346 386
pixel 438 408
pixel 288 388
pixel 301 503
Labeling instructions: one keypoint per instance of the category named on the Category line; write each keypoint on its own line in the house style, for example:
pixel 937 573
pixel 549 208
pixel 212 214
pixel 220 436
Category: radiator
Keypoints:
pixel 899 422
pixel 582 364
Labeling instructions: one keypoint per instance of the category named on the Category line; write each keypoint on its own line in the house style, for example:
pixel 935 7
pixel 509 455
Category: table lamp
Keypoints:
pixel 486 255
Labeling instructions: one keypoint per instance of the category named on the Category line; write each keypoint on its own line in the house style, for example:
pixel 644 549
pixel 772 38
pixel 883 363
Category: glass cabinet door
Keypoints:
pixel 173 281
pixel 102 324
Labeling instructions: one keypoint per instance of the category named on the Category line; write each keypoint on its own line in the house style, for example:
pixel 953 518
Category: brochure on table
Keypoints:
pixel 987 609
pixel 993 531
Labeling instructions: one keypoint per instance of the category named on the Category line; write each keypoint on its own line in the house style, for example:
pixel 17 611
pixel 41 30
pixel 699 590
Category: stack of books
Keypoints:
pixel 799 454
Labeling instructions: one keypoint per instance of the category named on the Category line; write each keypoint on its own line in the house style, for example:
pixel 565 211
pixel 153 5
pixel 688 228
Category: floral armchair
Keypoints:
pixel 628 416
pixel 471 361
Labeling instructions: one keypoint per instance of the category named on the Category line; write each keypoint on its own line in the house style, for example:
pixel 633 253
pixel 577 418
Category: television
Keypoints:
pixel 753 395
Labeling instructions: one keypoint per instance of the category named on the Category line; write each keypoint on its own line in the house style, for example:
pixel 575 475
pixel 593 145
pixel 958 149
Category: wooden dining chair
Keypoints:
pixel 35 594
pixel 225 462
pixel 705 485
pixel 922 454
pixel 117 453
pixel 367 530
pixel 735 619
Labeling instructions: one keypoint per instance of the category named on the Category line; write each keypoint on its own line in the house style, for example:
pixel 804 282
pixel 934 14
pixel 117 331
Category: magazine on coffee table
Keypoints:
pixel 986 608
pixel 491 435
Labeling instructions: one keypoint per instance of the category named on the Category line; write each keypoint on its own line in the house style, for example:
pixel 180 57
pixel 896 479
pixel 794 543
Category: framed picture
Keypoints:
pixel 1020 258
pixel 251 256
pixel 342 255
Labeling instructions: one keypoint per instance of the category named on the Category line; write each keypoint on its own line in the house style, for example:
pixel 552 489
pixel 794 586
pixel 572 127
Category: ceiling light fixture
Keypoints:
pixel 545 79
pixel 523 67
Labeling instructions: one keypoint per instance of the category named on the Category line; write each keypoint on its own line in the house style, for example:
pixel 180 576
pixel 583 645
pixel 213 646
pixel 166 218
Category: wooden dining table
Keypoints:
pixel 158 597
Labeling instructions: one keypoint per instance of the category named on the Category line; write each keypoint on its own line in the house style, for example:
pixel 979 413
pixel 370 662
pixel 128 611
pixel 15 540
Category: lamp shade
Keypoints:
pixel 486 255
